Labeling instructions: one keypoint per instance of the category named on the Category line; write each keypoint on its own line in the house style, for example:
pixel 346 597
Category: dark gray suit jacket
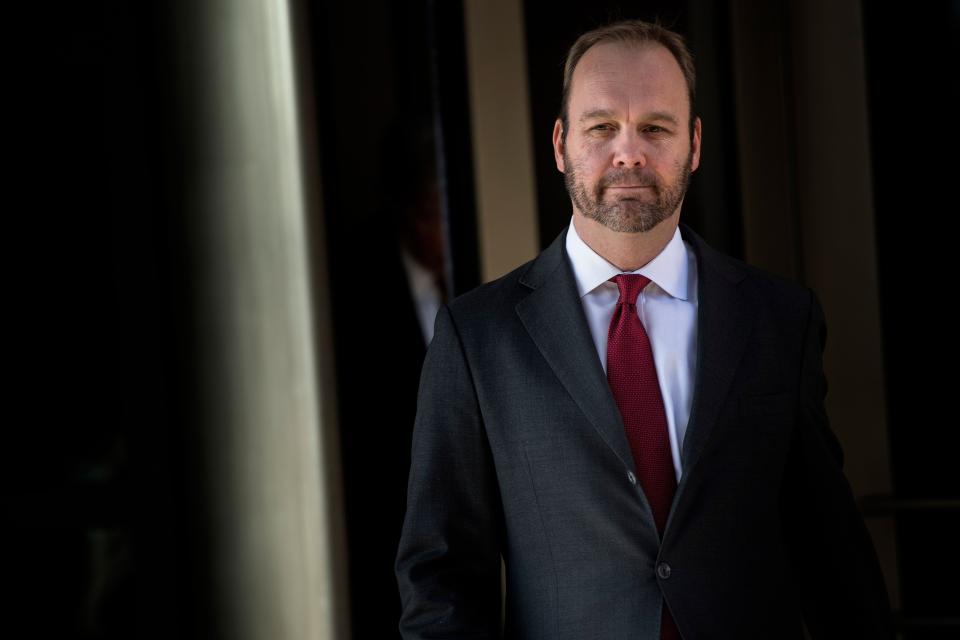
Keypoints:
pixel 519 450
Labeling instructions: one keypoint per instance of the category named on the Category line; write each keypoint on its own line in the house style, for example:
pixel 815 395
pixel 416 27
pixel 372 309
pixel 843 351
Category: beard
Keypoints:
pixel 627 214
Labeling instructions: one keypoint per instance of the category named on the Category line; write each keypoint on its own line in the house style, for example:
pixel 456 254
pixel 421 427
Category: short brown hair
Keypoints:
pixel 634 32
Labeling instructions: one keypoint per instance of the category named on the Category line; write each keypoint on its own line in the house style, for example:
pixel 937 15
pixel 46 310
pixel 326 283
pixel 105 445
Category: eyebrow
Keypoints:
pixel 606 113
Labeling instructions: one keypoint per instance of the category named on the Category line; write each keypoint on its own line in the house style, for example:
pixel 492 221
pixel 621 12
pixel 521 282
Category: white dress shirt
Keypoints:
pixel 667 307
pixel 424 291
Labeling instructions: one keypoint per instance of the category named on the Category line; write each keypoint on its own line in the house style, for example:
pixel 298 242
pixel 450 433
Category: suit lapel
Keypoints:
pixel 725 318
pixel 553 316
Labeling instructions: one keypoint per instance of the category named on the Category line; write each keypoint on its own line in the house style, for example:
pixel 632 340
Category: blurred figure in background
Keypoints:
pixel 420 226
pixel 388 300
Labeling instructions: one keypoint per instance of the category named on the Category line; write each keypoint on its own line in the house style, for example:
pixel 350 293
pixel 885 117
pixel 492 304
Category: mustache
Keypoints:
pixel 628 177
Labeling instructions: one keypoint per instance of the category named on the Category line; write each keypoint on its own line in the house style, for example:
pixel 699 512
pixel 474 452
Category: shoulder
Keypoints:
pixel 491 302
pixel 790 295
pixel 785 300
pixel 790 304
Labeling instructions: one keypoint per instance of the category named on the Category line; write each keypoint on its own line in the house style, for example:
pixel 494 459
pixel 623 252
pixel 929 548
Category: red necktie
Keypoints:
pixel 633 379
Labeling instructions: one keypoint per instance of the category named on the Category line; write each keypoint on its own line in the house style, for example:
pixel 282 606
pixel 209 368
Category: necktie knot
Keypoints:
pixel 630 285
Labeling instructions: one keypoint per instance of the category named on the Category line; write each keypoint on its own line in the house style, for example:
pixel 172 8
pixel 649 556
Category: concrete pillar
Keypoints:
pixel 268 443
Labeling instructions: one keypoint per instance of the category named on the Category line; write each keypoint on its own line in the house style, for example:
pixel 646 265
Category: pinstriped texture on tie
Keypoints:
pixel 632 375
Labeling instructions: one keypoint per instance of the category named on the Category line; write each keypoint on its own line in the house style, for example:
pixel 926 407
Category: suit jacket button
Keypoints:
pixel 632 478
pixel 663 570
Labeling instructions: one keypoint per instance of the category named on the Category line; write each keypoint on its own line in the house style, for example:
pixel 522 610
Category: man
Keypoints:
pixel 633 420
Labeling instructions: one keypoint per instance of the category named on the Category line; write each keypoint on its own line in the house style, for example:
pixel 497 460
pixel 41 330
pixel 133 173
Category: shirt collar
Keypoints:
pixel 421 279
pixel 668 269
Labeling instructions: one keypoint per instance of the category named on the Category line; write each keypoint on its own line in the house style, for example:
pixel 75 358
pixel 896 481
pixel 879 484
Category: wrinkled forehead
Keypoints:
pixel 614 75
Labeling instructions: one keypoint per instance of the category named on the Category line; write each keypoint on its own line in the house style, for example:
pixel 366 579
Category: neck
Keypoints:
pixel 626 251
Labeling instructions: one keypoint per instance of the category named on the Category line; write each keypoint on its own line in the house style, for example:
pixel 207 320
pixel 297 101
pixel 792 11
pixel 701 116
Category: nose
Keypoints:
pixel 629 151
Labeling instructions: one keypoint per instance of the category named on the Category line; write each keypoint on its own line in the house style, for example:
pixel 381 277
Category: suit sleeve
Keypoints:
pixel 448 561
pixel 838 577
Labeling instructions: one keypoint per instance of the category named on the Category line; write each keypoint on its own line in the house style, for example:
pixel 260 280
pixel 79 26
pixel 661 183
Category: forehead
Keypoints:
pixel 615 75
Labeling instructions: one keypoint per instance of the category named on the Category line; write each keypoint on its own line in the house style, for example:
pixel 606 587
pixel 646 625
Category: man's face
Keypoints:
pixel 628 155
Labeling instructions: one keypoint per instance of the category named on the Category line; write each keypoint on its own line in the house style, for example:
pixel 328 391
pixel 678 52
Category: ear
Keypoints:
pixel 558 145
pixel 695 145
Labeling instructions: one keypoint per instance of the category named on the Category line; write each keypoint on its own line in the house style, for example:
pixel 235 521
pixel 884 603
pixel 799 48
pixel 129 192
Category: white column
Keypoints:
pixel 268 436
